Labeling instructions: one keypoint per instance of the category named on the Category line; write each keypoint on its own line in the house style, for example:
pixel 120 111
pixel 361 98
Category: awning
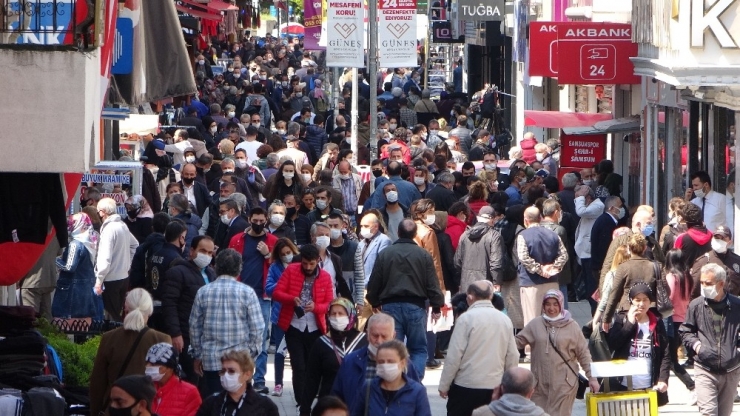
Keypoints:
pixel 558 119
pixel 197 13
pixel 619 125
pixel 220 6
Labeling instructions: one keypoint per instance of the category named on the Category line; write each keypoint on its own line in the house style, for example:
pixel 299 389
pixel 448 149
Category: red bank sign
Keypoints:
pixel 585 52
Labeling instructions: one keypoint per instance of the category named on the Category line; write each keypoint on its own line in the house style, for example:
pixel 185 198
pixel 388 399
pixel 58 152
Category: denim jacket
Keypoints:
pixel 74 297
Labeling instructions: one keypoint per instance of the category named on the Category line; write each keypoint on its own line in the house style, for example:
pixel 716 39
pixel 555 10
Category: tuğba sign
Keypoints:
pixel 490 10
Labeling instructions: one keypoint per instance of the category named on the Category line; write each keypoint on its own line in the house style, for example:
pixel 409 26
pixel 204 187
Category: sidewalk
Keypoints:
pixel 677 393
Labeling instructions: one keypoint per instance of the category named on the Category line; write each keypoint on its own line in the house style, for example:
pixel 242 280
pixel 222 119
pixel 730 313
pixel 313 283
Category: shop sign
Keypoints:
pixel 543 49
pixel 705 18
pixel 345 23
pixel 442 33
pixel 490 10
pixel 312 24
pixel 397 33
pixel 584 151
pixel 596 53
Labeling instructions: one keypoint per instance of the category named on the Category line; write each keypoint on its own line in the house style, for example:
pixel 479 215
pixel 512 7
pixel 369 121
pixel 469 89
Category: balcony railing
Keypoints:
pixel 47 22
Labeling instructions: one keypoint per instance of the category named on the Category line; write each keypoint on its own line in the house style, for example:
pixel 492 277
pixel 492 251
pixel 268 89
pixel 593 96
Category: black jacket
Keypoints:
pixel 443 198
pixel 139 265
pixel 254 405
pixel 316 215
pixel 225 233
pixel 448 259
pixel 162 260
pixel 284 231
pixel 177 291
pixel 601 237
pixel 620 340
pixel 404 273
pixel 715 355
pixel 202 197
pixel 302 229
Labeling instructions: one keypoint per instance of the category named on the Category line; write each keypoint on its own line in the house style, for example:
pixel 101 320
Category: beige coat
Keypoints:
pixel 556 384
pixel 482 347
pixel 427 239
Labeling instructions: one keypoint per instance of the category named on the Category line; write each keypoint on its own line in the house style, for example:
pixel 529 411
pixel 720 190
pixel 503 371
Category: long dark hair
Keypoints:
pixel 675 264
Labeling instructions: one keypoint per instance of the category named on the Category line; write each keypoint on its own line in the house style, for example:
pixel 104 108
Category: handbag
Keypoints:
pixel 663 294
pixel 582 381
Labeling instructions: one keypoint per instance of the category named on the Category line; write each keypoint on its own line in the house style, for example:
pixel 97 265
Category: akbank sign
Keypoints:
pixel 713 20
pixel 706 33
pixel 41 23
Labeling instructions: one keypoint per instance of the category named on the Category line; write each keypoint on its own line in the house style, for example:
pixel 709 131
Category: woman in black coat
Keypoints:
pixel 329 351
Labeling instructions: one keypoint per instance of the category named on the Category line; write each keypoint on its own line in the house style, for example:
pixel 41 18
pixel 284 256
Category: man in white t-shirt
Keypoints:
pixel 250 144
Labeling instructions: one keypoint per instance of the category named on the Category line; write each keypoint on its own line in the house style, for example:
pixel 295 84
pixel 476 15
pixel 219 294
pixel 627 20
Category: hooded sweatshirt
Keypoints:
pixel 694 243
pixel 515 405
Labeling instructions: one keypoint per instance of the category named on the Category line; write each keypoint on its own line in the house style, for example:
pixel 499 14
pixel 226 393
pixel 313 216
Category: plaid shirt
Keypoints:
pixel 408 116
pixel 226 315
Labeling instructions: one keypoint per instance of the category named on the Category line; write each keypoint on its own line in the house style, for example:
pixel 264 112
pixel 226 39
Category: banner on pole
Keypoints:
pixel 397 33
pixel 311 24
pixel 344 31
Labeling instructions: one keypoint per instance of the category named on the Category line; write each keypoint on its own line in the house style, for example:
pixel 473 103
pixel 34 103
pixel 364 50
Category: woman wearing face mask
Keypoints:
pixel 285 181
pixel 328 352
pixel 239 397
pixel 307 173
pixel 639 335
pixel 129 394
pixel 675 225
pixel 282 256
pixel 276 221
pixel 138 217
pixel 392 392
pixel 421 180
pixel 551 335
pixel 422 212
pixel 174 397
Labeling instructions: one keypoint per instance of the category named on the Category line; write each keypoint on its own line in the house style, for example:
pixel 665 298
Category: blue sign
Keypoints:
pixel 123 47
pixel 273 11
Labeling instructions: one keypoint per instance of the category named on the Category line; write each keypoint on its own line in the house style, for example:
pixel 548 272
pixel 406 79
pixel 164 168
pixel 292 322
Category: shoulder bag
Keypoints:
pixel 582 381
pixel 662 294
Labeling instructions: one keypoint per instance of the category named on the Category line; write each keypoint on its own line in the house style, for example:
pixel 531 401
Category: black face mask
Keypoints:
pixel 257 228
pixel 377 173
pixel 188 181
pixel 132 213
pixel 290 212
pixel 126 411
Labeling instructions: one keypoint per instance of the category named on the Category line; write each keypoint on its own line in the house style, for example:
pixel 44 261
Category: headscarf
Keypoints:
pixel 557 295
pixel 81 229
pixel 163 354
pixel 317 91
pixel 138 201
pixel 351 311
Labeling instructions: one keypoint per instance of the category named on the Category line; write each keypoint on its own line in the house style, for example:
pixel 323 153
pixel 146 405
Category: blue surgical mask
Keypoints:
pixel 648 230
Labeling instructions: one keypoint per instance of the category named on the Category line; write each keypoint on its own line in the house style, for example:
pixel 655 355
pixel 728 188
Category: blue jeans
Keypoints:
pixel 276 338
pixel 260 364
pixel 411 324
pixel 564 291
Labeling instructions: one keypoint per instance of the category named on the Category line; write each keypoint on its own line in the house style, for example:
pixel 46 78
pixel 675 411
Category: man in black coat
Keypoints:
pixel 192 120
pixel 142 258
pixel 179 287
pixel 601 238
pixel 194 190
pixel 442 194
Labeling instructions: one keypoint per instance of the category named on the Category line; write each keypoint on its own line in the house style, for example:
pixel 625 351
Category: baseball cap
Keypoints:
pixel 485 214
pixel 723 231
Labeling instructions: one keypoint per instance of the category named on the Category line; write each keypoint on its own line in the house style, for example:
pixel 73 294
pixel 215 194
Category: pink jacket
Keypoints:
pixel 680 304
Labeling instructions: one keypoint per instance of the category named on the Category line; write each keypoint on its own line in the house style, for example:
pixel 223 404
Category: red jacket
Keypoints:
pixel 528 153
pixel 176 398
pixel 455 229
pixel 475 206
pixel 237 243
pixel 289 287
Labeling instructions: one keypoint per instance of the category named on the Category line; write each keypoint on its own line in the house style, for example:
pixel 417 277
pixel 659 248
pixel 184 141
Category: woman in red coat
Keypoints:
pixel 305 292
pixel 174 397
pixel 527 145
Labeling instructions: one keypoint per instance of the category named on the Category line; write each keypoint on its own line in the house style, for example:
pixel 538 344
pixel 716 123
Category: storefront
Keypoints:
pixel 689 63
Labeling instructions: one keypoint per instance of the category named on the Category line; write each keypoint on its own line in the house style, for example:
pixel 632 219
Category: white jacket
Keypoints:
pixel 481 349
pixel 115 250
pixel 588 213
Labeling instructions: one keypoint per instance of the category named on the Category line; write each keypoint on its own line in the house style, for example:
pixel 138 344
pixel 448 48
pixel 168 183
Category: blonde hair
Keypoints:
pixel 620 256
pixel 107 205
pixel 637 244
pixel 226 147
pixel 139 308
pixel 240 357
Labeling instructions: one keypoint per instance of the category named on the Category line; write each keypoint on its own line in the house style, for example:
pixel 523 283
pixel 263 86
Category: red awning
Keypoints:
pixel 558 119
pixel 197 13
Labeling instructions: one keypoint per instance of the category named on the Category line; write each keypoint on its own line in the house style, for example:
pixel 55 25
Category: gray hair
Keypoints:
pixel 590 194
pixel 229 107
pixel 272 160
pixel 228 160
pixel 316 225
pixel 479 292
pixel 549 207
pixel 516 381
pixel 611 202
pixel 215 108
pixel 229 263
pixel 107 205
pixel 294 129
pixel 139 307
pixel 720 275
pixel 240 199
pixel 276 203
pixel 381 318
pixel 446 178
pixel 569 180
pixel 180 202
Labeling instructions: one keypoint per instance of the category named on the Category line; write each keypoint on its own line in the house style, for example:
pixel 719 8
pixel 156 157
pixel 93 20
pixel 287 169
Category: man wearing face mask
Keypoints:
pixel 442 194
pixel 710 330
pixel 393 212
pixel 713 204
pixel 360 366
pixel 255 245
pixel 350 185
pixel 173 395
pixel 406 191
pixel 352 270
pixel 721 254
pixel 518 180
pixel 230 222
pixel 277 226
pixel 196 192
pixel 328 261
pixel 251 174
pixel 323 206
pixel 369 187
pixel 552 215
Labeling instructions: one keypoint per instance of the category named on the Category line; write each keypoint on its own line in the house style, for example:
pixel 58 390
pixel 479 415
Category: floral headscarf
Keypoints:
pixel 349 307
pixel 557 295
pixel 81 229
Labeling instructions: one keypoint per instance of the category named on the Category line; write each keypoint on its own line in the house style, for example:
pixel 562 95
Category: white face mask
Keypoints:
pixel 190 159
pixel 339 323
pixel 288 175
pixel 700 193
pixel 277 219
pixel 388 371
pixel 622 213
pixel 230 382
pixel 372 349
pixel 241 163
pixel 214 129
pixel 202 260
pixel 256 125
pixel 419 181
pixel 225 219
pixel 392 126
pixel 433 132
pixel 323 241
pixel 489 166
pixel 321 204
pixel 366 233
pixel 588 182
pixel 391 196
pixel 335 234
pixel 202 62
pixel 287 259
pixel 719 246
pixel 306 177
pixel 343 177
pixel 153 373
pixel 281 132
pixel 540 157
pixel 429 220
pixel 709 292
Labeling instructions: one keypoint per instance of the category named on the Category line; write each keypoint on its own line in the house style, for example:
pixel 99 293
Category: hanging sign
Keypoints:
pixel 489 11
pixel 311 24
pixel 397 33
pixel 543 49
pixel 582 151
pixel 344 31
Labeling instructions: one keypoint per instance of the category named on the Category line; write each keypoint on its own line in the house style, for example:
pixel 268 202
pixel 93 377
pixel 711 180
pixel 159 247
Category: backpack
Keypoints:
pixel 321 106
pixel 254 105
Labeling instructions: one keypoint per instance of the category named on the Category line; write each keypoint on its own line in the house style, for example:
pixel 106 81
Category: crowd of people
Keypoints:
pixel 255 234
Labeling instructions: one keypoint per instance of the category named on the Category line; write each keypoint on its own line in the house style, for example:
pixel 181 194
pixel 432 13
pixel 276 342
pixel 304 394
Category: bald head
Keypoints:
pixel 531 216
pixel 518 380
pixel 189 168
pixel 481 290
pixel 407 229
